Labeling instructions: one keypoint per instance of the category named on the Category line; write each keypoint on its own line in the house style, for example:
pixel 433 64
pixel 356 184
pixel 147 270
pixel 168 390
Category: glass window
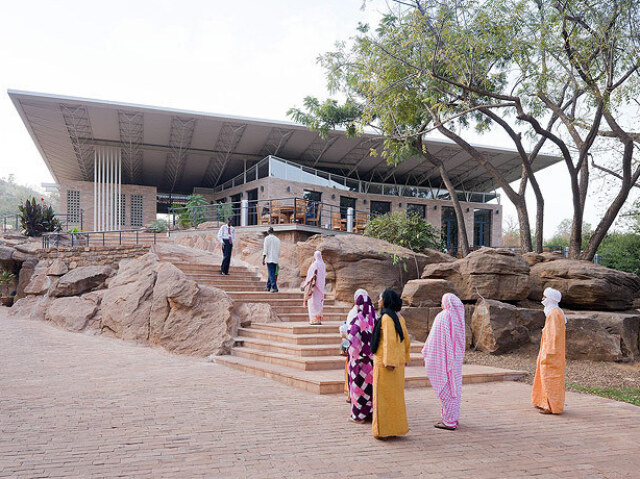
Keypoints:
pixel 312 195
pixel 415 209
pixel 449 229
pixel 235 205
pixel 380 208
pixel 482 227
pixel 345 203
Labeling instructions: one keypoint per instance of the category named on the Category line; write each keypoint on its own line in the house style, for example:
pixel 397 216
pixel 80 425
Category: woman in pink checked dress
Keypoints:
pixel 443 354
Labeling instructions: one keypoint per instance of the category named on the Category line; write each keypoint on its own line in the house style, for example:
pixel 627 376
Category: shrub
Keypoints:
pixel 37 218
pixel 621 251
pixel 407 230
pixel 224 211
pixel 194 212
pixel 6 277
pixel 159 226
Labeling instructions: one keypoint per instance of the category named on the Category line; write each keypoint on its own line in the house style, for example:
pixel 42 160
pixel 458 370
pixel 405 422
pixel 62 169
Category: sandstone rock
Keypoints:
pixel 126 305
pixel 71 313
pixel 6 252
pixel 255 312
pixel 495 327
pixel 489 273
pixel 24 277
pixel 57 268
pixel 30 248
pixel 19 256
pixel 80 280
pixel 39 282
pixel 361 262
pixel 207 327
pixel 585 285
pixel 426 292
pixel 33 308
pixel 603 335
pixel 94 296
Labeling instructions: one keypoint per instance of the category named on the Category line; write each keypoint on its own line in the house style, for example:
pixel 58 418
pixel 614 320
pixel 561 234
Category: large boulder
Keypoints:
pixel 602 335
pixel 24 277
pixel 361 262
pixel 585 285
pixel 420 319
pixel 71 313
pixel 426 292
pixel 33 308
pixel 498 274
pixel 80 280
pixel 39 282
pixel 496 328
pixel 57 268
pixel 126 305
pixel 6 253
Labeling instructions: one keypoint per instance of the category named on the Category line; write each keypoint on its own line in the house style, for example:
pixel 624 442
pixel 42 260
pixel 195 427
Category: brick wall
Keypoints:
pixel 94 255
pixel 86 202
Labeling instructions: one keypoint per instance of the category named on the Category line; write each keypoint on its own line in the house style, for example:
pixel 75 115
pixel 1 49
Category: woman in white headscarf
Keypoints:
pixel 548 385
pixel 314 289
pixel 344 333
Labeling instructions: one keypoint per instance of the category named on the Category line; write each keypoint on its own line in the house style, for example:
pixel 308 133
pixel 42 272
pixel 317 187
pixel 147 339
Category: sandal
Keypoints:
pixel 441 425
pixel 356 421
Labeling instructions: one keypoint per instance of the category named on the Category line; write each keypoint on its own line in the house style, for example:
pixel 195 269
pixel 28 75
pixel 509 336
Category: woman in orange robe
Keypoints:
pixel 390 346
pixel 548 385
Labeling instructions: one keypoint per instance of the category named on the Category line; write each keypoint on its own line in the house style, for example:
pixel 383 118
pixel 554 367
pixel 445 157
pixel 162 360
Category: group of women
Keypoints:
pixel 379 349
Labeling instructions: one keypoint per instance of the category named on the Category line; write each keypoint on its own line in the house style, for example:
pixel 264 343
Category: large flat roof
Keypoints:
pixel 177 150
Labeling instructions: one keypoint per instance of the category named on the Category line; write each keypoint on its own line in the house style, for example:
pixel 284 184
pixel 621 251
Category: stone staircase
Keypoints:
pixel 293 351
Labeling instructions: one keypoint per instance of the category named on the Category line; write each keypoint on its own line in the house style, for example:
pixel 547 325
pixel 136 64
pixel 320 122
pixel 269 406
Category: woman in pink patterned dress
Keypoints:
pixel 443 354
pixel 316 275
pixel 361 360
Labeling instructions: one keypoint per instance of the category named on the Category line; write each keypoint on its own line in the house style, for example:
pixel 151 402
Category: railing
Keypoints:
pixel 99 238
pixel 274 211
pixel 10 223
pixel 67 220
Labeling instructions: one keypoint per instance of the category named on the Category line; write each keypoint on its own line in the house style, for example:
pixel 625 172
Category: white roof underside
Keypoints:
pixel 178 150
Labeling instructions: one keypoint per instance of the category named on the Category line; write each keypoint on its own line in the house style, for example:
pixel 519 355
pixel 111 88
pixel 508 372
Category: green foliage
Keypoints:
pixel 159 226
pixel 74 230
pixel 6 278
pixel 562 235
pixel 224 211
pixel 408 231
pixel 621 251
pixel 624 394
pixel 37 218
pixel 194 212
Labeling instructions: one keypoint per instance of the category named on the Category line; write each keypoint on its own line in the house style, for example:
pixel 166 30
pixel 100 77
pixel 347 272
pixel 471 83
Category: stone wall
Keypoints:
pixel 94 255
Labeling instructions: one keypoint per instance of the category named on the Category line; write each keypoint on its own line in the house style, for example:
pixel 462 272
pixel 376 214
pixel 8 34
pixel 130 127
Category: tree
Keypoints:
pixel 562 236
pixel 562 73
pixel 407 230
pixel 510 233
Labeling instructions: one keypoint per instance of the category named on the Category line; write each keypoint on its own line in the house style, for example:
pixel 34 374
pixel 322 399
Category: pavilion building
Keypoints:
pixel 119 165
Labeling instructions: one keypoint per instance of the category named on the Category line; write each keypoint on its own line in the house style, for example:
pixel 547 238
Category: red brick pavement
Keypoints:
pixel 73 405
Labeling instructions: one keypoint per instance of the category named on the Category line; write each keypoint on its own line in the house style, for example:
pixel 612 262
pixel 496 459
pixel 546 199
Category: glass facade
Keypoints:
pixel 482 228
pixel 415 209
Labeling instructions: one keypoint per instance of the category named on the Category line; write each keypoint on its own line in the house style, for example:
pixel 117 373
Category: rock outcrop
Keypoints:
pixel 497 274
pixel 79 280
pixel 361 262
pixel 72 313
pixel 497 327
pixel 585 285
pixel 426 292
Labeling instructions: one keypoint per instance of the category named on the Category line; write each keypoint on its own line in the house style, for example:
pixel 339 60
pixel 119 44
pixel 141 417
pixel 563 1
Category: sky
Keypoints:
pixel 253 58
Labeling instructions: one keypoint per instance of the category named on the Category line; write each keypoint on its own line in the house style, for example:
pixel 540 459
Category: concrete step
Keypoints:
pixel 264 295
pixel 297 308
pixel 276 300
pixel 305 363
pixel 303 316
pixel 283 337
pixel 332 381
pixel 330 327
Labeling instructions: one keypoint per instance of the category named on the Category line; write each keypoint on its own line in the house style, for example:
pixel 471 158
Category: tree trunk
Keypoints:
pixel 462 228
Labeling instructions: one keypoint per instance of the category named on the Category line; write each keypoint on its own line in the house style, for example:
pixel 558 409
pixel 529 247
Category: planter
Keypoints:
pixel 6 301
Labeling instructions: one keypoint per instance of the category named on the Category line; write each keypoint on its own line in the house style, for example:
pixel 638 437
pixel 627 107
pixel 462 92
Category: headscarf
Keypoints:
pixel 452 305
pixel 365 307
pixel 353 312
pixel 392 303
pixel 319 266
pixel 551 301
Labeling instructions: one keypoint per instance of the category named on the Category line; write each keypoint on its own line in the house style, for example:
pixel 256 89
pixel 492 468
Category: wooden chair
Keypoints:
pixel 360 223
pixel 275 207
pixel 301 210
pixel 337 223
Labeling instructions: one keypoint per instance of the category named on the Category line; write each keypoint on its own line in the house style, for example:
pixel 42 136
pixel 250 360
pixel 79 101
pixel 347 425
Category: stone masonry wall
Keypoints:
pixel 94 255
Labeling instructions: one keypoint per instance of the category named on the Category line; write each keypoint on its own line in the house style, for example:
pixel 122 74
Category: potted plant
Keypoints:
pixel 6 278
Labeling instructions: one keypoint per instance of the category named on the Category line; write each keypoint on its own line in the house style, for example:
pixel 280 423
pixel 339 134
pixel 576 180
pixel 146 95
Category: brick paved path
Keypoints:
pixel 79 406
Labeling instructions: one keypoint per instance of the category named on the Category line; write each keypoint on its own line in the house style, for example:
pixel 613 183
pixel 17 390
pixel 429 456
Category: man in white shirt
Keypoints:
pixel 226 236
pixel 271 257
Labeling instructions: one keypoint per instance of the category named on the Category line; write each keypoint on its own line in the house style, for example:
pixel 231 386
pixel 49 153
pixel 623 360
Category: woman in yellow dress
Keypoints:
pixel 391 347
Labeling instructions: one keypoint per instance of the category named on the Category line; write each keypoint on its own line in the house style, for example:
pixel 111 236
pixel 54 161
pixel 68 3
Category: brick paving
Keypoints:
pixel 73 405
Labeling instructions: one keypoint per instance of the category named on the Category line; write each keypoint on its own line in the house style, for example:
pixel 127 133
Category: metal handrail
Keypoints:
pixel 100 236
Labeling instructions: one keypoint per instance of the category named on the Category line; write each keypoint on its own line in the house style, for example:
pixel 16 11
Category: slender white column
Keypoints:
pixel 120 189
pixel 95 186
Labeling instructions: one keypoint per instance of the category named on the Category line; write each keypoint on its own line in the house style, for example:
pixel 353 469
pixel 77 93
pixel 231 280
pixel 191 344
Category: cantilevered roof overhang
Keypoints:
pixel 177 150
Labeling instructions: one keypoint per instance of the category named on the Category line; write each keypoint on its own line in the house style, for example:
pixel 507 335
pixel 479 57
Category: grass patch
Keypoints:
pixel 628 395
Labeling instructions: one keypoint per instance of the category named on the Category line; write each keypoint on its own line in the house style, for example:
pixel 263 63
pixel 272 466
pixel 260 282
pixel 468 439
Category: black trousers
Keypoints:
pixel 226 253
